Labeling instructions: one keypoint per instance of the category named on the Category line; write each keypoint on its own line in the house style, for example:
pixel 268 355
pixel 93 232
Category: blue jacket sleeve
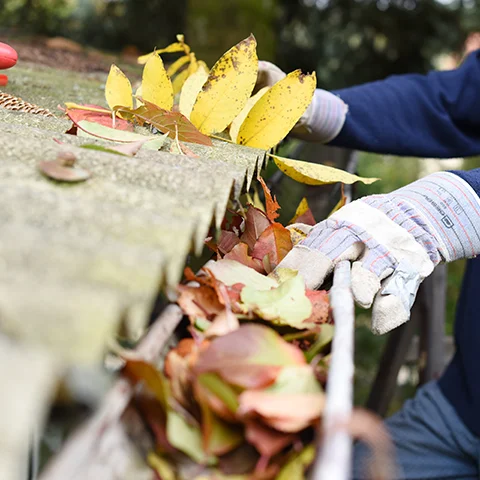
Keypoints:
pixel 434 115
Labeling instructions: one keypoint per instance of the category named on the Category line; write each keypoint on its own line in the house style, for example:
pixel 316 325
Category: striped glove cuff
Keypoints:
pixel 450 209
pixel 324 118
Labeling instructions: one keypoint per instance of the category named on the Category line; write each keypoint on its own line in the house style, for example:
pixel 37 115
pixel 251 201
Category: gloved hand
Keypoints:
pixel 394 241
pixel 324 117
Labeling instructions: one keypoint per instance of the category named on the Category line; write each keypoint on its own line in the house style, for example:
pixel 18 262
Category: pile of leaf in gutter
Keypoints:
pixel 240 395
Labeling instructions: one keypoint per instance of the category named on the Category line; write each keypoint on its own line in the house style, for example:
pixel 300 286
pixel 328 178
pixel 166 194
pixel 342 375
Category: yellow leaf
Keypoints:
pixel 193 66
pixel 179 80
pixel 177 65
pixel 76 106
pixel 156 85
pixel 302 208
pixel 138 94
pixel 161 466
pixel 202 64
pixel 176 47
pixel 239 119
pixel 118 91
pixel 228 88
pixel 295 468
pixel 277 112
pixel 316 174
pixel 341 203
pixel 190 90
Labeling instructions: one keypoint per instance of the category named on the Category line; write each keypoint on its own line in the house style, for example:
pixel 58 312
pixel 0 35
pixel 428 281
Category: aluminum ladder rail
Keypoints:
pixel 334 456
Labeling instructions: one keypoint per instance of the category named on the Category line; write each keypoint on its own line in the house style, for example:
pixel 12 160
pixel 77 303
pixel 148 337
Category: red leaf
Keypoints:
pixel 307 218
pixel 303 214
pixel 232 221
pixel 271 203
pixel 255 224
pixel 234 292
pixel 155 417
pixel 240 254
pixel 274 243
pixel 227 241
pixel 267 441
pixel 249 357
pixel 105 119
pixel 320 306
pixel 168 122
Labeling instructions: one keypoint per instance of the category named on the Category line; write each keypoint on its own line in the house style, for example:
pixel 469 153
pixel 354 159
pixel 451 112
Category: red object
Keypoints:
pixel 3 80
pixel 8 56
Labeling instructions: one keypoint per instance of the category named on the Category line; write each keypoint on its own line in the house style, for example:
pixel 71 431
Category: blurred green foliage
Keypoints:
pixel 346 41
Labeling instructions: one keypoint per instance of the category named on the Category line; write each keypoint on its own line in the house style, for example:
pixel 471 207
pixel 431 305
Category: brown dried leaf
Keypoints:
pixel 137 371
pixel 267 441
pixel 227 241
pixel 320 306
pixel 255 224
pixel 274 243
pixel 167 122
pixel 63 168
pixel 199 302
pixel 272 205
pixel 240 254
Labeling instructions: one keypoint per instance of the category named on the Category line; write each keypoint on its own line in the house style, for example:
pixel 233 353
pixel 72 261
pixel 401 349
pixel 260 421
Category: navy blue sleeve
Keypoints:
pixel 434 115
pixel 472 177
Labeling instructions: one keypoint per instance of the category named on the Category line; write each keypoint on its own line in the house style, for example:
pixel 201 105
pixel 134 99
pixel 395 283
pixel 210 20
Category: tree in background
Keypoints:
pixel 350 42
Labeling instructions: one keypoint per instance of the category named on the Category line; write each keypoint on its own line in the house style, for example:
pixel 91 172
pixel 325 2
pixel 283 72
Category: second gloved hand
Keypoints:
pixel 394 241
pixel 324 118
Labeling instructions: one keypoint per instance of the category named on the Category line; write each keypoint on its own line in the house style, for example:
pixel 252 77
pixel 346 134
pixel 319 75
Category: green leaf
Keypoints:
pixel 285 305
pixel 231 272
pixel 88 129
pixel 214 384
pixel 295 379
pixel 91 129
pixel 186 438
pixel 295 468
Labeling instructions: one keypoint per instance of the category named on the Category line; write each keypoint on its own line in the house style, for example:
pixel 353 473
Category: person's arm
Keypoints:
pixel 434 115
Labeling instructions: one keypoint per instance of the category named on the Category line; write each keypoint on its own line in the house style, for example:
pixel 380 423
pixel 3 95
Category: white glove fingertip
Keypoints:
pixel 365 285
pixel 311 264
pixel 388 313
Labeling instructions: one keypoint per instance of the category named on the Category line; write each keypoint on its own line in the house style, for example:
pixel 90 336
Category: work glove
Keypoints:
pixel 322 121
pixel 394 241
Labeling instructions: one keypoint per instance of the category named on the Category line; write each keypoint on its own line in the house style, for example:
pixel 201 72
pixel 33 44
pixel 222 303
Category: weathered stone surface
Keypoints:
pixel 76 259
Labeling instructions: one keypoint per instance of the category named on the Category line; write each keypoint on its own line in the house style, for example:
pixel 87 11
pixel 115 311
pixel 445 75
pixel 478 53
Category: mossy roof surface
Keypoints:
pixel 78 259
